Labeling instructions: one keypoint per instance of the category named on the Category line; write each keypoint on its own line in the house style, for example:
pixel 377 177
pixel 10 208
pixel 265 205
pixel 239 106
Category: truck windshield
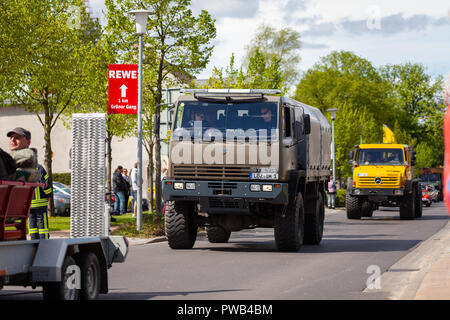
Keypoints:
pixel 392 157
pixel 252 119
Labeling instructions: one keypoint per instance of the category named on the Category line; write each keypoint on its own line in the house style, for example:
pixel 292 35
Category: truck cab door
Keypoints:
pixel 289 132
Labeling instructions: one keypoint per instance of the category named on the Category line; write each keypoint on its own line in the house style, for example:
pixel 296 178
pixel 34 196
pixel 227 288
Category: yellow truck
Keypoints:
pixel 383 175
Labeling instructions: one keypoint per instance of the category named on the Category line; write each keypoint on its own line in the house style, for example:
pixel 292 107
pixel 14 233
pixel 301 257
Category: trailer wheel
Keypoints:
pixel 353 206
pixel 217 234
pixel 314 223
pixel 289 225
pixel 90 276
pixel 408 207
pixel 181 229
pixel 60 290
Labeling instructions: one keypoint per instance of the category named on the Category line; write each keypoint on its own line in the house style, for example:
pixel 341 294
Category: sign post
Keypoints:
pixel 122 88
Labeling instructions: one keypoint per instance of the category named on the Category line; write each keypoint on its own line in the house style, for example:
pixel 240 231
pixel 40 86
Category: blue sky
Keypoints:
pixel 382 31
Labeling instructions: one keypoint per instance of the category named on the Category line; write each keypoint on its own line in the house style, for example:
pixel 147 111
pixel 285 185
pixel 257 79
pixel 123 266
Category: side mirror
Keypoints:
pixel 306 124
pixel 350 155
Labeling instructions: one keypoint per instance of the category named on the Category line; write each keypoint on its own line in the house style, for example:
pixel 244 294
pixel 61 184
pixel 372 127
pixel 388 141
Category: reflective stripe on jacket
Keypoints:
pixel 41 194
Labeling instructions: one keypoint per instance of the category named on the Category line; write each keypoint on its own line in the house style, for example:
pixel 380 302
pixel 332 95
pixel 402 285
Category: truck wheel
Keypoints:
pixel 181 229
pixel 218 234
pixel 289 225
pixel 419 206
pixel 353 206
pixel 60 290
pixel 90 276
pixel 366 209
pixel 407 208
pixel 314 223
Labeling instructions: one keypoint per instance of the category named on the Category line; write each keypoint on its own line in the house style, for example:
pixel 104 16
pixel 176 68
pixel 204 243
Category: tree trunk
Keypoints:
pixel 48 152
pixel 158 202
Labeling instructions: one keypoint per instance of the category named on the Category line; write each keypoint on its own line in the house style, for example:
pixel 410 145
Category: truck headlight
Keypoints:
pixel 267 187
pixel 190 185
pixel 398 192
pixel 255 187
pixel 357 191
pixel 178 185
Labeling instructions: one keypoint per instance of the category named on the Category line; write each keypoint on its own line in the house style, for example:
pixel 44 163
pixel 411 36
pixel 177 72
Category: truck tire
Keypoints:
pixel 60 290
pixel 353 206
pixel 408 207
pixel 366 209
pixel 289 225
pixel 217 234
pixel 419 205
pixel 90 276
pixel 314 223
pixel 181 229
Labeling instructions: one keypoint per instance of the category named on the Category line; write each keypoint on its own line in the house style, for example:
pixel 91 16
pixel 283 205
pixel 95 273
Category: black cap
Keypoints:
pixel 20 131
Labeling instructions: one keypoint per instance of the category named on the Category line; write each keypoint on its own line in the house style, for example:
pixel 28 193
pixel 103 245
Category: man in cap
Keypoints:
pixel 26 160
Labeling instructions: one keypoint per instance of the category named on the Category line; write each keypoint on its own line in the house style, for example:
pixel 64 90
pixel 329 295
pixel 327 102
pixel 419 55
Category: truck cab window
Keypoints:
pixel 287 124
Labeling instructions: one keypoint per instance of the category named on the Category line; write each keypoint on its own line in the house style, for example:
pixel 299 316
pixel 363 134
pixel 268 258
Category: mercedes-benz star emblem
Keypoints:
pixel 378 180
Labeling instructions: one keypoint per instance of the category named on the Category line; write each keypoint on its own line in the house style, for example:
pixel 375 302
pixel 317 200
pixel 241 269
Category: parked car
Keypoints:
pixel 61 199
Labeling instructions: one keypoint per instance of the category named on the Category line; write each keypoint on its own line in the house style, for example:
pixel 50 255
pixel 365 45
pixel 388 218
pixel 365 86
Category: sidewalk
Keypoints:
pixel 131 241
pixel 426 269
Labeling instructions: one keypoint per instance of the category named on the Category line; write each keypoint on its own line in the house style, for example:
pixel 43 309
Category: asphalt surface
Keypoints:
pixel 346 265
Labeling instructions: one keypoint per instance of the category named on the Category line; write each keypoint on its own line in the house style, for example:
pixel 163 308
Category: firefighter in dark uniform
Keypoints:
pixel 26 160
pixel 38 220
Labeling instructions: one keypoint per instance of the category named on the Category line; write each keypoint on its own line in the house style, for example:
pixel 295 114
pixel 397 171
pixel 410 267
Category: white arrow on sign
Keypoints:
pixel 123 90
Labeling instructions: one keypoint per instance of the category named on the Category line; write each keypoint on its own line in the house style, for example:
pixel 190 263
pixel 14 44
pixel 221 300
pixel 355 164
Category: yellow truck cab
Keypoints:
pixel 383 175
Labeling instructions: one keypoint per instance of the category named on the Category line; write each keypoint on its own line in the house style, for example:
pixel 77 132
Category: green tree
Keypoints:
pixel 279 46
pixel 351 84
pixel 261 73
pixel 177 43
pixel 46 58
pixel 418 102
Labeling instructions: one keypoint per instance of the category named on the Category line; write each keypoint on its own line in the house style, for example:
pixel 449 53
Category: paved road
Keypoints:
pixel 250 267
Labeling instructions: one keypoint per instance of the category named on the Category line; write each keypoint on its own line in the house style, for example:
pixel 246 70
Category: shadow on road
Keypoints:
pixel 149 295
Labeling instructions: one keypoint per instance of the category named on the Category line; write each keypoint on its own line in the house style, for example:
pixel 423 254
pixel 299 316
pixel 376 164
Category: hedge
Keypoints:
pixel 63 178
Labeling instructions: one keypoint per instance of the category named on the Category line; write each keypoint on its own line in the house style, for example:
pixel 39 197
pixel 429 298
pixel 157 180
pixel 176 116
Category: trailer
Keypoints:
pixel 66 268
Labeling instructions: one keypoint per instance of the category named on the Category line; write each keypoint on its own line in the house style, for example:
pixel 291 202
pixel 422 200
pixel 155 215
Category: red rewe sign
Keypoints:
pixel 123 88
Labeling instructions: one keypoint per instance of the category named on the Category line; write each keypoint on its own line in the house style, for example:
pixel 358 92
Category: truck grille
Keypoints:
pixel 223 203
pixel 386 182
pixel 211 172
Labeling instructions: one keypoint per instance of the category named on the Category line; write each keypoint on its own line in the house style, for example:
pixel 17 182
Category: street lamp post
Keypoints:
pixel 141 25
pixel 333 112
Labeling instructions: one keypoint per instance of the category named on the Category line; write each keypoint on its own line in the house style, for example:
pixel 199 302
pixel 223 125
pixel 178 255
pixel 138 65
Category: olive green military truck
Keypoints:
pixel 242 159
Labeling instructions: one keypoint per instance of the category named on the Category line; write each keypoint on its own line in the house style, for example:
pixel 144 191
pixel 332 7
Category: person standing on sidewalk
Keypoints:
pixel 26 159
pixel 331 193
pixel 126 177
pixel 120 188
pixel 134 188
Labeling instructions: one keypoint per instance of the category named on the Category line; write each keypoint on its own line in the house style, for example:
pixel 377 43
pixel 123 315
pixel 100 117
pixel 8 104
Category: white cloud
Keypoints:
pixel 409 31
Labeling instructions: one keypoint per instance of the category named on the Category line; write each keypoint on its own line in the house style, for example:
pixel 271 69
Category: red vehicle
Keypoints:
pixel 426 197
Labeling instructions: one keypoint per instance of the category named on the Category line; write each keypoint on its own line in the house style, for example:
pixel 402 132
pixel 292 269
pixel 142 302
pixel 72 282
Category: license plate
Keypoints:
pixel 263 176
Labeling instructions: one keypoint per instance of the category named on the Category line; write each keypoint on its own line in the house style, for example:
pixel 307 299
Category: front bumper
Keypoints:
pixel 377 192
pixel 225 196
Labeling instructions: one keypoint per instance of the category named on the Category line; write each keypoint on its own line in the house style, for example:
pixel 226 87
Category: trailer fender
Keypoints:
pixel 50 256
